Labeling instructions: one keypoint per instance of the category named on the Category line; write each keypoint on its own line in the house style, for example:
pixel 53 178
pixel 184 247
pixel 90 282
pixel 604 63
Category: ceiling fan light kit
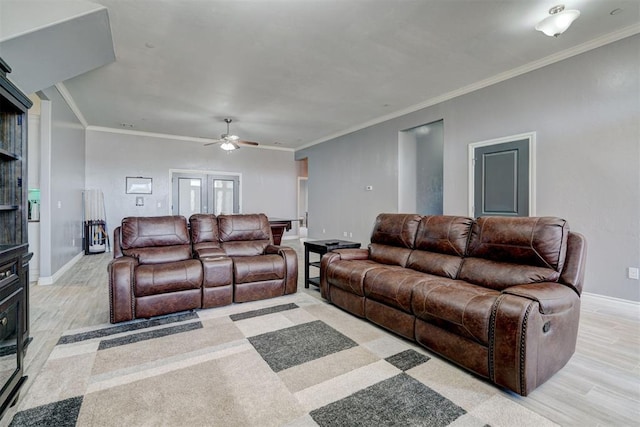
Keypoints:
pixel 229 146
pixel 558 21
pixel 229 142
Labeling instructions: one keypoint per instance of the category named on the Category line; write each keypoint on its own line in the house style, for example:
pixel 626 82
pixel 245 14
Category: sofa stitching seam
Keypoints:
pixel 523 344
pixel 492 333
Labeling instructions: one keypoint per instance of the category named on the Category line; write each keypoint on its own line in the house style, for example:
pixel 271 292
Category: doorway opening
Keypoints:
pixel 420 169
pixel 303 197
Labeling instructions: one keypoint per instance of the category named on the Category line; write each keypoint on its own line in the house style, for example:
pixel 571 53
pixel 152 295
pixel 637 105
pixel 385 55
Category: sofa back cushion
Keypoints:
pixel 244 235
pixel 154 240
pixel 506 251
pixel 393 238
pixel 440 245
pixel 204 229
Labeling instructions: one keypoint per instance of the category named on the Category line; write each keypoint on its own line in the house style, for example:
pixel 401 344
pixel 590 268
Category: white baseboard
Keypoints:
pixel 635 304
pixel 34 275
pixel 50 280
pixel 293 237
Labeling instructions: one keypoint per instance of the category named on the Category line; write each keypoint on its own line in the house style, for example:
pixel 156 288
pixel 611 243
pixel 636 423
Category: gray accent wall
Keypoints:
pixel 268 177
pixel 585 113
pixel 62 182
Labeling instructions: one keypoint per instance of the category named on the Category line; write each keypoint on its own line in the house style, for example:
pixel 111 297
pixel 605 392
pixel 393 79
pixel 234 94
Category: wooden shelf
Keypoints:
pixel 8 207
pixel 11 156
pixel 314 281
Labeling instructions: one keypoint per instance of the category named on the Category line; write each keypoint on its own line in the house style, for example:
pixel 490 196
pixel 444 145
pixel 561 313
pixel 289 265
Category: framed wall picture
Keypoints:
pixel 138 185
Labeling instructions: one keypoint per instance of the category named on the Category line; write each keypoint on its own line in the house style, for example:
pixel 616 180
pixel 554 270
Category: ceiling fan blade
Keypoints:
pixel 214 142
pixel 250 143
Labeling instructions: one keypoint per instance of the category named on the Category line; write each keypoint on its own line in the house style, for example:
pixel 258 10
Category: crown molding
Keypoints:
pixel 531 66
pixel 71 103
pixel 173 137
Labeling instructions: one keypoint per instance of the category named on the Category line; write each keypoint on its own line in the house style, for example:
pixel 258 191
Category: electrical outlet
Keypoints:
pixel 324 231
pixel 633 273
pixel 344 234
pixel 350 234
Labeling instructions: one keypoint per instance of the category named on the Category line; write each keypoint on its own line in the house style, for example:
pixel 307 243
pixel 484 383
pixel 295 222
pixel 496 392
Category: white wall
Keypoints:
pixel 268 177
pixel 585 111
pixel 62 182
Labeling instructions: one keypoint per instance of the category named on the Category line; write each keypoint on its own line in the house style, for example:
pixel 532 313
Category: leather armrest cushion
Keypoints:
pixel 352 253
pixel 552 297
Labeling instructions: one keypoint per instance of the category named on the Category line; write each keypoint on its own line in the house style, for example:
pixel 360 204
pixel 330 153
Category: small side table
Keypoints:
pixel 321 247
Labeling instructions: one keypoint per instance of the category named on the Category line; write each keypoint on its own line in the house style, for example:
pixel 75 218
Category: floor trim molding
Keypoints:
pixel 611 299
pixel 50 280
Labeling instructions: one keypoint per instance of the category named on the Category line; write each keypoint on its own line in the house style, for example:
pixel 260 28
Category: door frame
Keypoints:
pixel 204 172
pixel 300 179
pixel 531 137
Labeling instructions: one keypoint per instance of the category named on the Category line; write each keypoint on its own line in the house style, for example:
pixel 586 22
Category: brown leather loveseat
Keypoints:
pixel 162 266
pixel 499 296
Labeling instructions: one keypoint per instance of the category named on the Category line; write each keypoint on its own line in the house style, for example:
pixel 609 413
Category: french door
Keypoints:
pixel 204 193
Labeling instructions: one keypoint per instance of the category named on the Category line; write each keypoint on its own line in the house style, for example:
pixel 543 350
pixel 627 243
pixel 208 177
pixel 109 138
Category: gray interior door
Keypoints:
pixel 501 179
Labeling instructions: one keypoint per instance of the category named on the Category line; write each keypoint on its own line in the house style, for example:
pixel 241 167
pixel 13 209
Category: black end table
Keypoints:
pixel 321 247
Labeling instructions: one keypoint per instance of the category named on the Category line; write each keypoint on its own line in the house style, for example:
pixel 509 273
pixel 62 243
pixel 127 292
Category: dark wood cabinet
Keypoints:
pixel 14 256
pixel 12 323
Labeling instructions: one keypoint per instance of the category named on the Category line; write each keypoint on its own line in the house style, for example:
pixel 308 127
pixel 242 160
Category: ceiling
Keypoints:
pixel 291 73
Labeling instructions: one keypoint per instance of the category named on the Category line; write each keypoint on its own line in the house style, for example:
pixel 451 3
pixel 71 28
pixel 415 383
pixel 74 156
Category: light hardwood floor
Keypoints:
pixel 600 386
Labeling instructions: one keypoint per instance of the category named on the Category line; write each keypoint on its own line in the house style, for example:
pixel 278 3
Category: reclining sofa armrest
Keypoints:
pixel 348 254
pixel 117 249
pixel 532 335
pixel 205 252
pixel 217 270
pixel 337 255
pixel 291 266
pixel 121 283
pixel 552 297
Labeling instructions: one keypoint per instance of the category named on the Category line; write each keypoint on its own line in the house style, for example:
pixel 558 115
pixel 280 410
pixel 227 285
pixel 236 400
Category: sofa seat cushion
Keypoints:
pixel 248 269
pixel 393 286
pixel 349 274
pixel 456 306
pixel 152 279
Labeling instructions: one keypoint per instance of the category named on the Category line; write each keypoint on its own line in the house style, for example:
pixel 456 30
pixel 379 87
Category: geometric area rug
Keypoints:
pixel 288 361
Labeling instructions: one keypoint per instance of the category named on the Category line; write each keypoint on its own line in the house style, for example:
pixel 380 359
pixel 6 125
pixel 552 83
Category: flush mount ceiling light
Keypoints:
pixel 558 21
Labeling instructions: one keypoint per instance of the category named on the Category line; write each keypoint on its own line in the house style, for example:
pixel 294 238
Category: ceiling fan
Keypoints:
pixel 229 142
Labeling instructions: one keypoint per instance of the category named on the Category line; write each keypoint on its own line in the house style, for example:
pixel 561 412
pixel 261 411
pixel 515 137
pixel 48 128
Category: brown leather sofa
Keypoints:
pixel 500 296
pixel 162 266
pixel 260 269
